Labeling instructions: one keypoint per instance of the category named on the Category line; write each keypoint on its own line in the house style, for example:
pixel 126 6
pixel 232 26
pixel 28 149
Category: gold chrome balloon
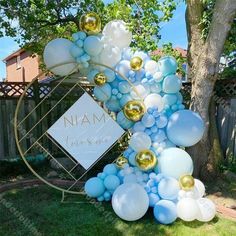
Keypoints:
pixel 146 160
pixel 136 63
pixel 186 182
pixel 134 110
pixel 90 23
pixel 121 161
pixel 100 79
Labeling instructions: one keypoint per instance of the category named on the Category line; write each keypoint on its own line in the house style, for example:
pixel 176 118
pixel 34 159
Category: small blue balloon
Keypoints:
pixel 109 74
pixel 167 65
pixel 102 93
pixel 161 121
pixel 168 188
pixel 165 212
pixel 111 182
pixel 94 187
pixel 158 136
pixel 110 169
pixel 113 104
pixel 148 120
pixel 93 45
pixel 185 128
pixel 138 127
pixel 171 84
pixel 123 121
pixel 124 87
pixel 91 74
pixel 169 99
pixel 153 199
pixel 76 51
pixel 125 98
pixel 132 159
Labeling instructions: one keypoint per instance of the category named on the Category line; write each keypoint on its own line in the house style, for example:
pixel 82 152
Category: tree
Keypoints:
pixel 35 22
pixel 208 25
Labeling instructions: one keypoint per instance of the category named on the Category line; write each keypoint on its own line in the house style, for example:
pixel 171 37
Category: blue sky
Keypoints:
pixel 173 31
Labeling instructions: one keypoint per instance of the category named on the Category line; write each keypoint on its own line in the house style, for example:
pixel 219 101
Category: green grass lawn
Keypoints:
pixel 42 207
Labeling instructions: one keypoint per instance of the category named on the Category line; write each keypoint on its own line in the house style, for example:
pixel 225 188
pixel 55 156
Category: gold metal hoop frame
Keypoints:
pixel 17 123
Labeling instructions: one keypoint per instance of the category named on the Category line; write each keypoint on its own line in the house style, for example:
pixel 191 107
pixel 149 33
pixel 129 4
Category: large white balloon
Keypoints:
pixel 199 188
pixel 130 201
pixel 110 55
pixel 57 52
pixel 154 100
pixel 207 210
pixel 140 141
pixel 139 91
pixel 151 67
pixel 187 209
pixel 116 33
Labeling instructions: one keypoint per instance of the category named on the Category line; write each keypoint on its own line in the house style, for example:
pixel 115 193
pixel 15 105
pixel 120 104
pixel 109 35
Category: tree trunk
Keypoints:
pixel 204 75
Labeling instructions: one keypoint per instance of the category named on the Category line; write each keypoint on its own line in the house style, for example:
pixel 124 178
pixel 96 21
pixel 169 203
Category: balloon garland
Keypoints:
pixel 155 171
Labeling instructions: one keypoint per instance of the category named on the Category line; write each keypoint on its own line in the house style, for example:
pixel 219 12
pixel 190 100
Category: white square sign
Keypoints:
pixel 85 131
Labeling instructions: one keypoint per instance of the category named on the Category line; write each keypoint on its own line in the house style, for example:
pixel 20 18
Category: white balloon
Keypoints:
pixel 154 100
pixel 116 33
pixel 207 210
pixel 139 91
pixel 57 52
pixel 199 188
pixel 151 67
pixel 130 201
pixel 140 141
pixel 110 55
pixel 187 209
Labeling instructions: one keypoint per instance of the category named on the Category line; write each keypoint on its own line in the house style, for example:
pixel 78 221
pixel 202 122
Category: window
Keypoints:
pixel 18 62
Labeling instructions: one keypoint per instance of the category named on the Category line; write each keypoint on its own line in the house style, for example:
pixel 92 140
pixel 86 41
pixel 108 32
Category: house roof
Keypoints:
pixel 14 54
pixel 182 51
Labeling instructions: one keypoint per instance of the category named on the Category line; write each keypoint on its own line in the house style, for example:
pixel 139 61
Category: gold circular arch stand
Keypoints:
pixel 18 123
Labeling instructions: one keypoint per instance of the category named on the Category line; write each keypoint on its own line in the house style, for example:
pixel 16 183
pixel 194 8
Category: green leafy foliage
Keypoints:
pixel 34 23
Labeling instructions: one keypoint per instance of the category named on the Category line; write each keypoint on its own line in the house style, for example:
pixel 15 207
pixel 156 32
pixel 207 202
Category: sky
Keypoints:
pixel 173 31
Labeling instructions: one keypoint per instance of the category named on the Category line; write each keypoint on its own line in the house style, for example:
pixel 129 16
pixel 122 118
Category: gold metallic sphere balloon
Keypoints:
pixel 90 23
pixel 186 182
pixel 136 63
pixel 100 79
pixel 146 160
pixel 121 161
pixel 134 110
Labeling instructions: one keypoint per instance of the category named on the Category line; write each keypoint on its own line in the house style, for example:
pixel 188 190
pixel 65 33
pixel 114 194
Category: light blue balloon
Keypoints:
pixel 171 84
pixel 123 121
pixel 107 196
pixel 175 162
pixel 109 74
pixel 153 199
pixel 140 74
pixel 155 87
pixel 160 136
pixel 168 188
pixel 124 87
pixel 91 74
pixel 111 182
pixel 123 67
pixel 94 187
pixel 185 128
pixel 161 121
pixel 110 169
pixel 127 54
pixel 75 51
pixel 167 65
pixel 102 93
pixel 169 99
pixel 114 84
pixel 165 212
pixel 132 159
pixel 138 127
pixel 148 120
pixel 113 104
pixel 125 98
pixel 93 45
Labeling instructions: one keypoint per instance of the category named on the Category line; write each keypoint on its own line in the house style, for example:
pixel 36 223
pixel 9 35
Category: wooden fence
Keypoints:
pixel 224 96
